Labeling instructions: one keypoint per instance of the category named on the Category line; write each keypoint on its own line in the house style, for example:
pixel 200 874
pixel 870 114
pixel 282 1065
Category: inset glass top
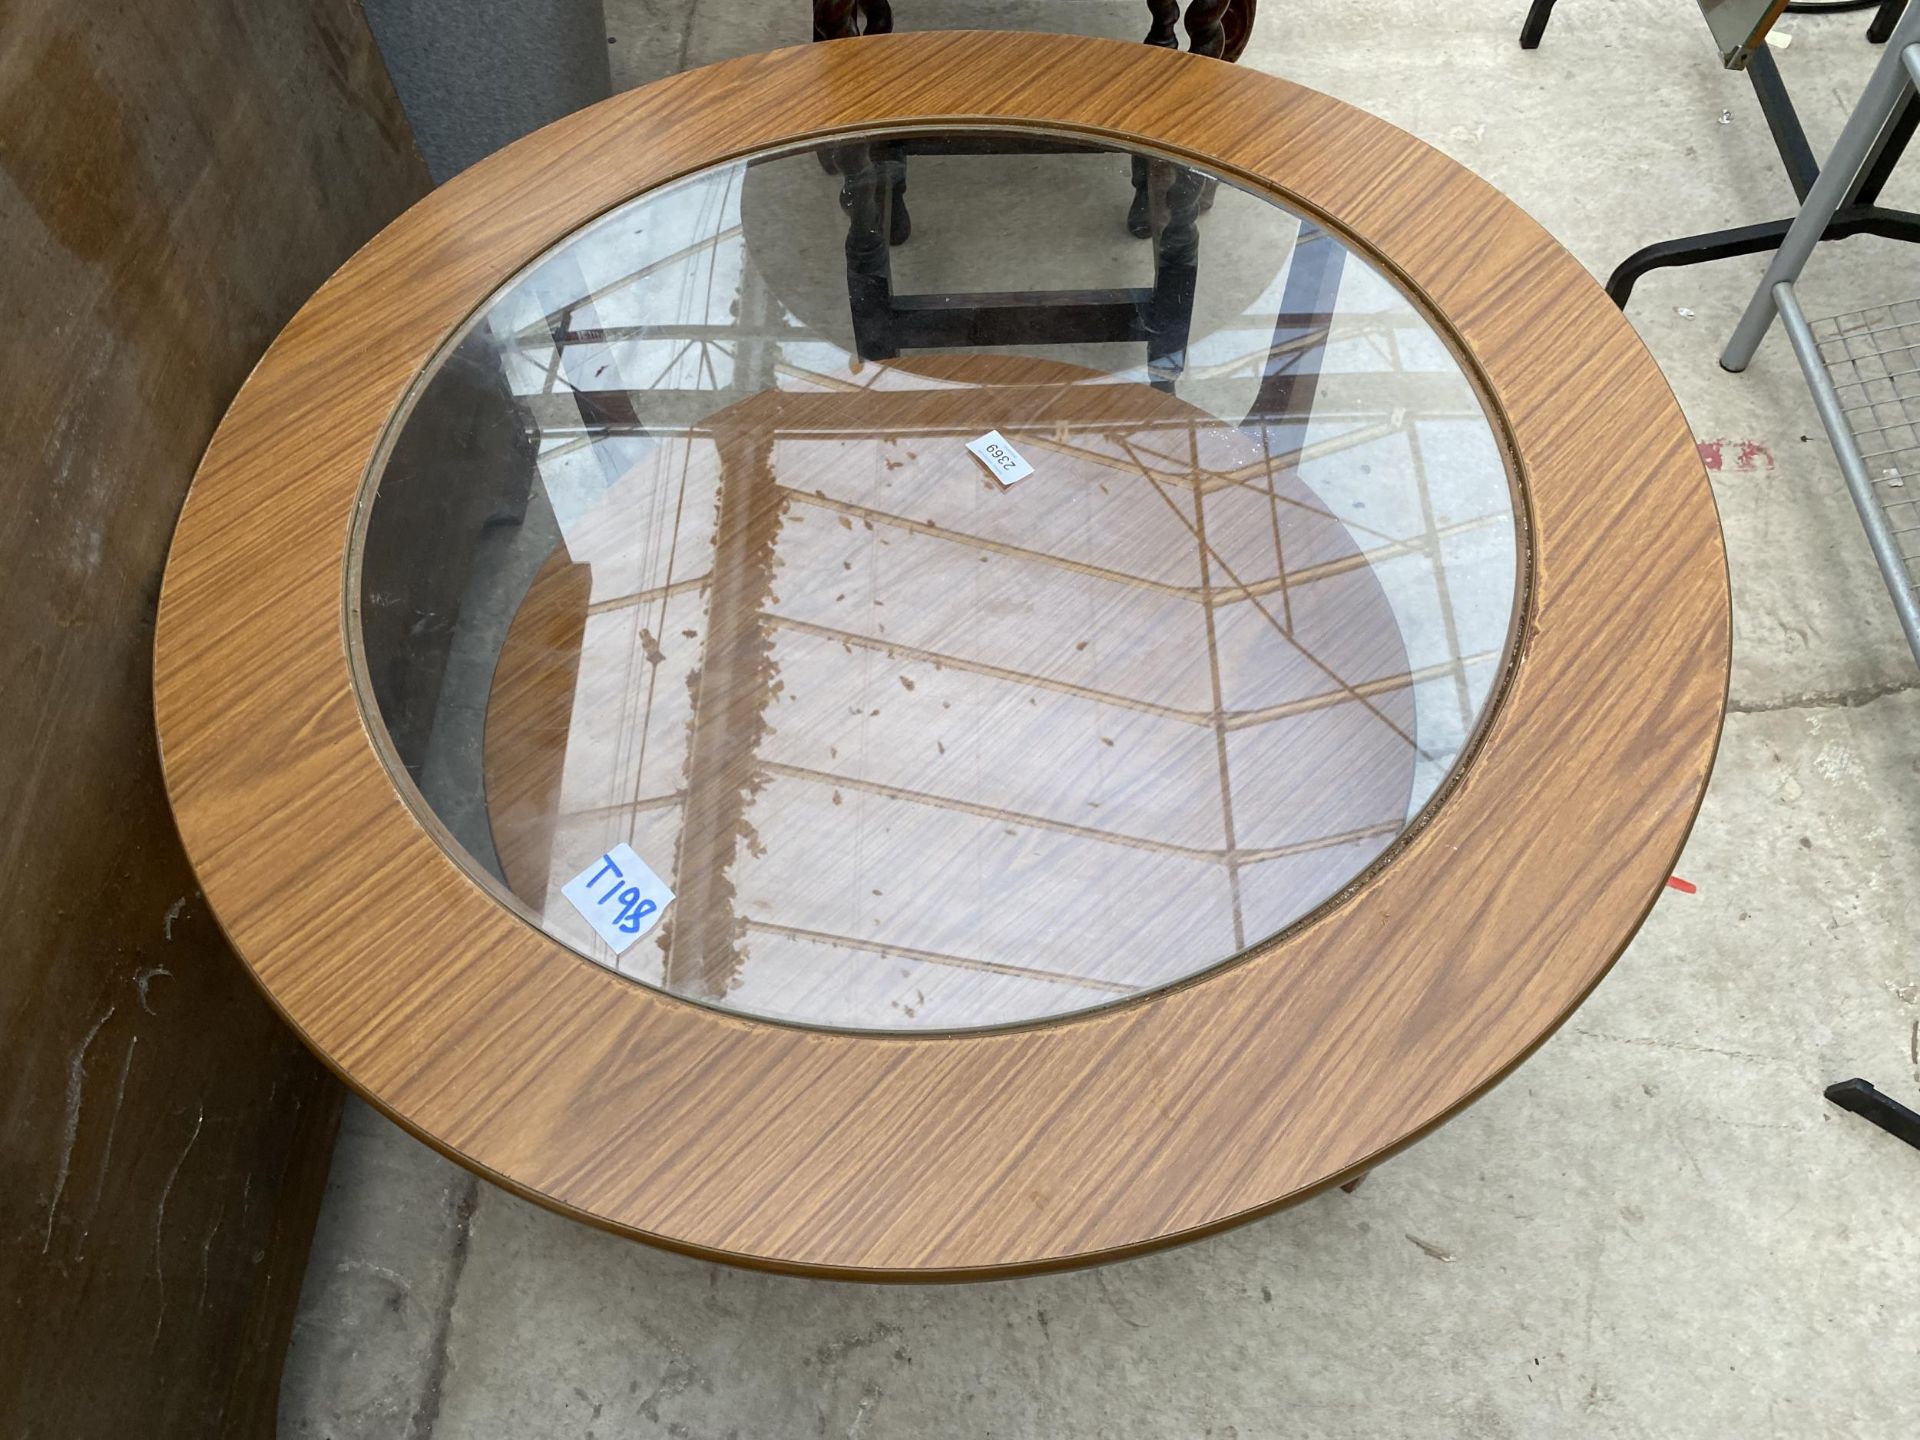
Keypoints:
pixel 871 586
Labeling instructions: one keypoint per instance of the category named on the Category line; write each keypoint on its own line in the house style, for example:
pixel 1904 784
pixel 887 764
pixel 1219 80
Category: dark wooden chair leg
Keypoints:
pixel 1220 28
pixel 1206 27
pixel 1164 32
pixel 836 19
pixel 899 223
pixel 1140 212
pixel 1239 27
pixel 1176 267
pixel 866 183
pixel 840 20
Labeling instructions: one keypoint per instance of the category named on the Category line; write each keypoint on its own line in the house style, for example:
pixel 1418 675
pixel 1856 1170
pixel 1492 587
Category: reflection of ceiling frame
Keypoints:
pixel 1162 453
pixel 1300 342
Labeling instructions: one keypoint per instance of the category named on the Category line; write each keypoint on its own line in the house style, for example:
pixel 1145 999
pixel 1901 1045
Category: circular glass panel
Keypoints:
pixel 934 580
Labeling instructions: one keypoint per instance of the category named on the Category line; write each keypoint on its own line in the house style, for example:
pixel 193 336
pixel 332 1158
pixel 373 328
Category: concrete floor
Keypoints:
pixel 1657 1227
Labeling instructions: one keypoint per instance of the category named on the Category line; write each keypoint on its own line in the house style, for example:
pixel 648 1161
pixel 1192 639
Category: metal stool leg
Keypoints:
pixel 1836 182
pixel 1853 468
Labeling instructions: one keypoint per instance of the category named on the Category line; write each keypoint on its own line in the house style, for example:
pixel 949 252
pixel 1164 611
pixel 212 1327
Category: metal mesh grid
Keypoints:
pixel 1873 357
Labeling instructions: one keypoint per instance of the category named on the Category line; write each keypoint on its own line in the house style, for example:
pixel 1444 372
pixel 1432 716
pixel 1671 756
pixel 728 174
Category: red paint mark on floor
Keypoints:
pixel 1685 887
pixel 1748 455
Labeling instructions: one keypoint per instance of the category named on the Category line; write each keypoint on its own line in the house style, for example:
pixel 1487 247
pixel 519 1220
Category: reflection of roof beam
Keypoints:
pixel 598 337
pixel 935 957
pixel 940 660
pixel 976 542
pixel 1421 398
pixel 1405 396
pixel 1039 434
pixel 1220 595
pixel 1212 556
pixel 1085 832
pixel 731 692
pixel 1248 719
pixel 1276 462
pixel 1424 543
pixel 657 592
pixel 594 337
pixel 540 332
pixel 893 650
pixel 627 807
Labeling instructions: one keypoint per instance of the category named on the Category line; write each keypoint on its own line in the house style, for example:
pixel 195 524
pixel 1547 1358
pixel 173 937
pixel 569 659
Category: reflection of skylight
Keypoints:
pixel 682 271
pixel 633 349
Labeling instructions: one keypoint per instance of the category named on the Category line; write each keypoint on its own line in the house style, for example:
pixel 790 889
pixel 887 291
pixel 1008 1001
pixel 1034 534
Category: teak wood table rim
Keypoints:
pixel 865 1155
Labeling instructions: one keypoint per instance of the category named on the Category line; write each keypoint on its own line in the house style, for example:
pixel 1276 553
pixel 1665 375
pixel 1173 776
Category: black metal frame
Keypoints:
pixel 1205 22
pixel 1869 1104
pixel 1858 215
pixel 1301 330
pixel 1886 14
pixel 873 186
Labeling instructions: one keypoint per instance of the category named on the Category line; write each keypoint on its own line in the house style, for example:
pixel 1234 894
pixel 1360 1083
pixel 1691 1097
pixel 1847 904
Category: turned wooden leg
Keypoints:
pixel 899 223
pixel 841 20
pixel 1238 23
pixel 835 19
pixel 1219 28
pixel 865 185
pixel 1166 19
pixel 1140 212
pixel 1176 266
pixel 1206 27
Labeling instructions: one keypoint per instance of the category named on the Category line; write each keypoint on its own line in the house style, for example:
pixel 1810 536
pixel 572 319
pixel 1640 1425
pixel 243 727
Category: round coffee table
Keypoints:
pixel 952 748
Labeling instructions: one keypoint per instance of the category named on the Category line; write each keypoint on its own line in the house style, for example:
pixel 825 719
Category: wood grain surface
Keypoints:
pixel 1016 1150
pixel 872 686
pixel 175 178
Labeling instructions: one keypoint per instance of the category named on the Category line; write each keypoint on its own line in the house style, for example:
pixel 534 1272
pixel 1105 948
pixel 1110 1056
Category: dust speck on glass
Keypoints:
pixel 680 554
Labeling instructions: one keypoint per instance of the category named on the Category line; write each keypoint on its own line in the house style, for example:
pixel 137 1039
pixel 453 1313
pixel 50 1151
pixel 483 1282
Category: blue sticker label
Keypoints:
pixel 621 898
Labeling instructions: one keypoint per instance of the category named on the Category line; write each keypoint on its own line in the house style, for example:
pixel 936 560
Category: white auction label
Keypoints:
pixel 1000 457
pixel 621 898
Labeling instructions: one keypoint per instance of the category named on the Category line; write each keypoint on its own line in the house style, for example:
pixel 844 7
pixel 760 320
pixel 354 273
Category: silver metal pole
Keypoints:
pixel 1827 400
pixel 1836 182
